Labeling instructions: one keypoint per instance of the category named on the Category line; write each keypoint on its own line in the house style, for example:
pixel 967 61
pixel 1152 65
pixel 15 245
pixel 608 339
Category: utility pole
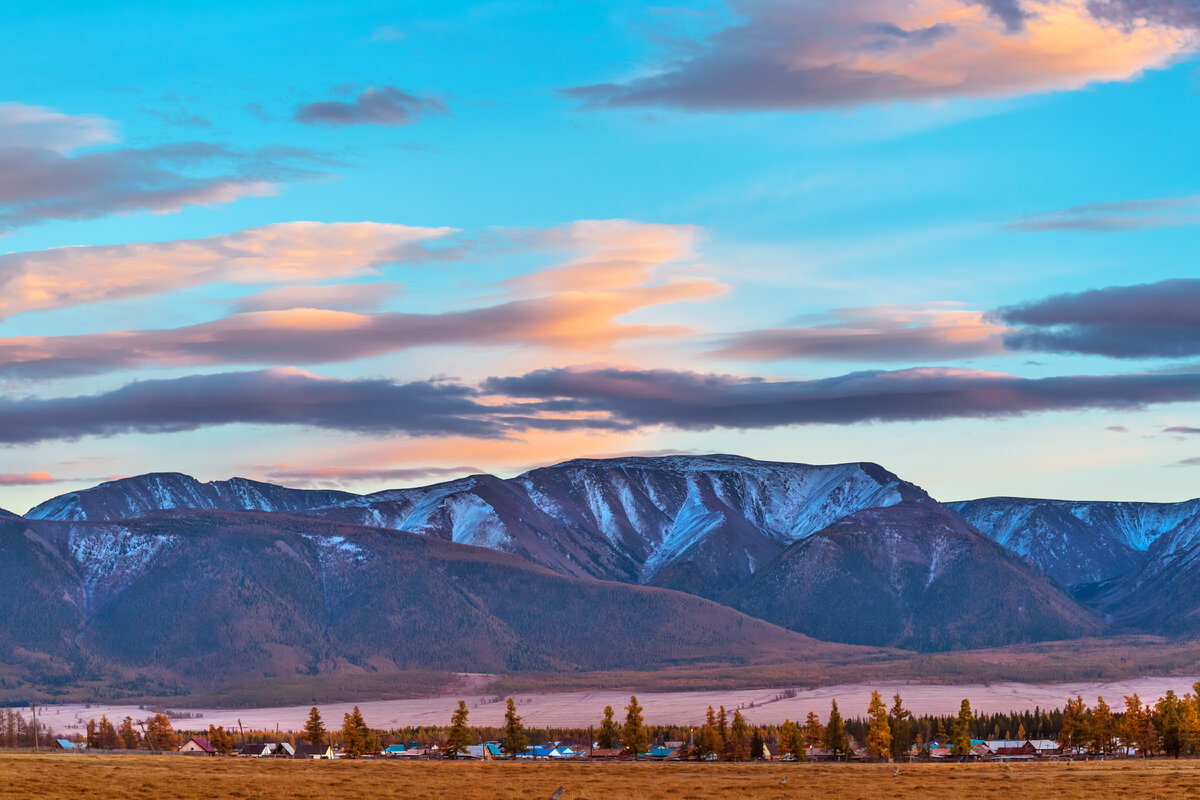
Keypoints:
pixel 243 730
pixel 37 734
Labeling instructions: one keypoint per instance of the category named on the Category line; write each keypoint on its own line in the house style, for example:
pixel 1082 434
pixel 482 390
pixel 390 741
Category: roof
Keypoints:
pixel 201 743
pixel 661 752
pixel 493 749
pixel 1044 744
pixel 312 750
pixel 394 748
pixel 65 744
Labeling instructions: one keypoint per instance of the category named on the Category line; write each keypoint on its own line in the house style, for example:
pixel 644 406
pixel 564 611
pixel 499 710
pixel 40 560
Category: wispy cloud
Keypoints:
pixel 1123 215
pixel 28 479
pixel 386 105
pixel 927 332
pixel 289 252
pixel 783 55
pixel 46 179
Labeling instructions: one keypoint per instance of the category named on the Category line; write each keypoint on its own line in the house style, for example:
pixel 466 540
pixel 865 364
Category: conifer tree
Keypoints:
pixel 129 736
pixel 1132 728
pixel 1073 731
pixel 514 734
pixel 609 736
pixel 757 745
pixel 900 720
pixel 710 739
pixel 354 734
pixel 879 735
pixel 92 742
pixel 1167 719
pixel 814 731
pixel 106 735
pixel 633 733
pixel 836 740
pixel 1021 734
pixel 739 738
pixel 1102 727
pixel 791 741
pixel 1189 726
pixel 459 738
pixel 960 744
pixel 314 729
pixel 221 741
pixel 160 736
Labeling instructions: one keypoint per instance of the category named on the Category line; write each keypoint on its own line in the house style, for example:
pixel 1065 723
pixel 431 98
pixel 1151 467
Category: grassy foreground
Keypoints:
pixel 102 777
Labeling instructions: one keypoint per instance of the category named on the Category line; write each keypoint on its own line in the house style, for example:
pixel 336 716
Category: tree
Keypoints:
pixel 836 740
pixel 1102 728
pixel 791 740
pixel 710 738
pixel 633 734
pixel 723 732
pixel 739 738
pixel 879 735
pixel 814 731
pixel 1074 729
pixel 355 734
pixel 1167 719
pixel 960 742
pixel 92 737
pixel 459 738
pixel 129 736
pixel 610 732
pixel 757 746
pixel 314 729
pixel 1189 726
pixel 901 722
pixel 514 733
pixel 160 735
pixel 221 741
pixel 106 735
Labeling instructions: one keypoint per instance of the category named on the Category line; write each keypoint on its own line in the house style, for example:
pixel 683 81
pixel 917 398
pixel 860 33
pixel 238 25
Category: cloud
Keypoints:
pixel 1115 216
pixel 1181 429
pixel 281 253
pixel 267 397
pixel 28 479
pixel 387 33
pixel 1187 462
pixel 337 297
pixel 570 320
pixel 937 331
pixel 1009 12
pixel 1152 320
pixel 1130 13
pixel 341 476
pixel 384 106
pixel 787 55
pixel 697 401
pixel 1117 429
pixel 44 128
pixel 570 400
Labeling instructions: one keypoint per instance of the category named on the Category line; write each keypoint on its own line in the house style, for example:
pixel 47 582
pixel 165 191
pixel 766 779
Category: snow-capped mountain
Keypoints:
pixel 695 523
pixel 130 498
pixel 1079 542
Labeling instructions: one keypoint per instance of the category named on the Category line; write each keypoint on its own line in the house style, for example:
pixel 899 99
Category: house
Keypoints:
pixel 197 747
pixel 67 745
pixel 662 752
pixel 486 751
pixel 260 750
pixel 1045 747
pixel 394 750
pixel 605 752
pixel 283 750
pixel 312 751
pixel 1011 748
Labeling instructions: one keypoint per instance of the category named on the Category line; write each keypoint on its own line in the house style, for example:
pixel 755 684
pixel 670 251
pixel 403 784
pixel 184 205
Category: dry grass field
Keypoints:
pixel 68 777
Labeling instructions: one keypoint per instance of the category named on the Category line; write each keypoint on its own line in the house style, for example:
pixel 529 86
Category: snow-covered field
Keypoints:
pixel 585 708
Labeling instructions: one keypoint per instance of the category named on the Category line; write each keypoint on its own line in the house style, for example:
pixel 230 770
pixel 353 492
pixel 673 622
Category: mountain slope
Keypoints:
pixel 130 498
pixel 914 576
pixel 1078 542
pixel 4 513
pixel 199 594
pixel 695 523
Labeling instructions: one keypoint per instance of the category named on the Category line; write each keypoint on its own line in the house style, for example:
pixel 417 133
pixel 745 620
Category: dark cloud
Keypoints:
pixel 1159 320
pixel 936 332
pixel 1187 462
pixel 1009 12
pixel 1160 212
pixel 570 400
pixel 384 106
pixel 42 183
pixel 1181 429
pixel 325 476
pixel 1177 13
pixel 268 397
pixel 696 401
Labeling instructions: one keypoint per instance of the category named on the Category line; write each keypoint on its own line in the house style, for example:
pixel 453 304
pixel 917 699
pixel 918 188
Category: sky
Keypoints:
pixel 390 244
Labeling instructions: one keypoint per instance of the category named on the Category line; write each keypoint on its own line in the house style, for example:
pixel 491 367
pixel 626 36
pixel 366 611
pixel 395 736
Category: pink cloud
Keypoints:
pixel 28 479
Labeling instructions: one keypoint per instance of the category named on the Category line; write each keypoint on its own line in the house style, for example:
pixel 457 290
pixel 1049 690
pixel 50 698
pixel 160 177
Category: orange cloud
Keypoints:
pixel 28 479
pixel 284 253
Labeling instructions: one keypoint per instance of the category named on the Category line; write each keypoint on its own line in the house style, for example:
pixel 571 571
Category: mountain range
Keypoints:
pixel 630 563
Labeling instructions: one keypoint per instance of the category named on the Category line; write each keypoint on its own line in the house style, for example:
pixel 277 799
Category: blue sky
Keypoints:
pixel 556 213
